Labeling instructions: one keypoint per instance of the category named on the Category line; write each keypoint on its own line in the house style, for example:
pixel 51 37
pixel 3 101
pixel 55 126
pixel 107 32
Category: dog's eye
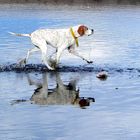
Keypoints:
pixel 86 28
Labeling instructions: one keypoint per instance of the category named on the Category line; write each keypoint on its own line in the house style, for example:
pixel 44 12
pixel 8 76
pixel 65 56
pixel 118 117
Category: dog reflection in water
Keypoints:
pixel 60 95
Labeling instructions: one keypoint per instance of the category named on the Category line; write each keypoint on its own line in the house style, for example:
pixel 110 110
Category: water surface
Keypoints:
pixel 115 42
pixel 46 105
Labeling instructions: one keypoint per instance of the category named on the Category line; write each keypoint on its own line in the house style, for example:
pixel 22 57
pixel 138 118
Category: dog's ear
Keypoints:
pixel 81 30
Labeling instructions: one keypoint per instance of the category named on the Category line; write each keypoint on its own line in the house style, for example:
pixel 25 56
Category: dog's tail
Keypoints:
pixel 17 34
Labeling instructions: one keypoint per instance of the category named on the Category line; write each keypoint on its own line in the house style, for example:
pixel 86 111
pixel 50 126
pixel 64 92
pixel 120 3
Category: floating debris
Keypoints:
pixel 102 75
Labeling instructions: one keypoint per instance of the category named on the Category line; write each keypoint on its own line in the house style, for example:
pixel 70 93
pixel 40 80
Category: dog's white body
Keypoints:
pixel 60 39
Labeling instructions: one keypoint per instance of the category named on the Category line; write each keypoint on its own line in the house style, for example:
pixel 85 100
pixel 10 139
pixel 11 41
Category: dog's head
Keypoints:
pixel 82 30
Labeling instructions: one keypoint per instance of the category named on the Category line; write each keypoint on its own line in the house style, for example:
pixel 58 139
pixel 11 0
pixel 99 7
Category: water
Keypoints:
pixel 58 116
pixel 115 42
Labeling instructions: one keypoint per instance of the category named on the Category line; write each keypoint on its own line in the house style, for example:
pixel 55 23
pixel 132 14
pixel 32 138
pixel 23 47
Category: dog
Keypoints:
pixel 61 94
pixel 60 39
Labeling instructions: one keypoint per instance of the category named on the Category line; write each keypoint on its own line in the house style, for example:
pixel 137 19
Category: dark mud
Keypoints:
pixel 42 68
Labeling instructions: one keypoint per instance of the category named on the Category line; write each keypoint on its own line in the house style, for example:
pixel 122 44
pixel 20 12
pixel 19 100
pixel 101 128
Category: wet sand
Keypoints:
pixel 83 68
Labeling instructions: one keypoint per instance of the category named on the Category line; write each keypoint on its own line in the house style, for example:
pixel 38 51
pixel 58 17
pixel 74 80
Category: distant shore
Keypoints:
pixel 72 2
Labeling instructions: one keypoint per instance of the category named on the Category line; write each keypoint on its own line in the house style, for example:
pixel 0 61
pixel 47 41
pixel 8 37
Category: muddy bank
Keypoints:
pixel 42 68
pixel 73 2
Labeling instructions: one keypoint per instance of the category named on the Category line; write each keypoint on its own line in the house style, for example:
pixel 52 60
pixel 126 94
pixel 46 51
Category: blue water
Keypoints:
pixel 116 43
pixel 114 114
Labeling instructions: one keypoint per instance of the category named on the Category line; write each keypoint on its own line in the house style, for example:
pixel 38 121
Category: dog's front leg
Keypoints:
pixel 74 52
pixel 58 54
pixel 52 59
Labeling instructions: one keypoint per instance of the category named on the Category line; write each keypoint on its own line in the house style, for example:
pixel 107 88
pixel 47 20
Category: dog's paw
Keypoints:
pixel 51 68
pixel 22 62
pixel 89 62
pixel 52 63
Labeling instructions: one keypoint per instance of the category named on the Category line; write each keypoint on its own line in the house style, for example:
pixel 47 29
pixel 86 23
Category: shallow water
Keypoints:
pixel 46 105
pixel 115 42
pixel 113 115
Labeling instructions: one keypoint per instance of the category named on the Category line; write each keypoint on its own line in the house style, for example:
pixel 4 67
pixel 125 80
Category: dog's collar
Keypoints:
pixel 75 38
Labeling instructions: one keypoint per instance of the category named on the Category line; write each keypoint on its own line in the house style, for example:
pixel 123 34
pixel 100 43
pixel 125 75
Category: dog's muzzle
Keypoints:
pixel 92 31
pixel 89 32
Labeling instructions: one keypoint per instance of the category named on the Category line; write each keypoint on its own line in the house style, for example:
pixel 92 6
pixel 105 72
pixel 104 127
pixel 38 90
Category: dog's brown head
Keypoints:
pixel 84 30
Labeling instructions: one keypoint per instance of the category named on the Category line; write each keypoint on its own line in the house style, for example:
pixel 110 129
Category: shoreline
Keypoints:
pixel 73 2
pixel 42 68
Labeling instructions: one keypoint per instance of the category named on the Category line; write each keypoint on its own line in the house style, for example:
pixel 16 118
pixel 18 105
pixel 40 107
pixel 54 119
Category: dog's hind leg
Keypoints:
pixel 41 43
pixel 30 51
pixel 45 59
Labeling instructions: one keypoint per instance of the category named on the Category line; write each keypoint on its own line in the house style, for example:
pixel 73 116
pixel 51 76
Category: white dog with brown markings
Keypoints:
pixel 60 39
